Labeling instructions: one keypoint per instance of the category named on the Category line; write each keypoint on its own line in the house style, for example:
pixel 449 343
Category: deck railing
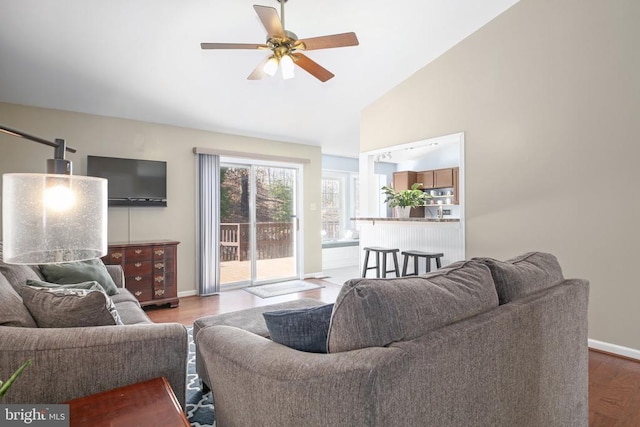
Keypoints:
pixel 274 240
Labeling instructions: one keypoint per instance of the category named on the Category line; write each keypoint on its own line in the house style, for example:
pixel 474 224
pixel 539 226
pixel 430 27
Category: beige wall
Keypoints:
pixel 548 95
pixel 104 136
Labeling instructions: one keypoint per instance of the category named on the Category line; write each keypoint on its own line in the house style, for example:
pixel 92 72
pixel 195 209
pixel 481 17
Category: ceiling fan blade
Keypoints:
pixel 326 42
pixel 259 73
pixel 233 46
pixel 312 67
pixel 270 20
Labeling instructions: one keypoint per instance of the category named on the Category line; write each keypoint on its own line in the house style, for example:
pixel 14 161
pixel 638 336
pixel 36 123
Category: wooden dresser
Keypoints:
pixel 149 269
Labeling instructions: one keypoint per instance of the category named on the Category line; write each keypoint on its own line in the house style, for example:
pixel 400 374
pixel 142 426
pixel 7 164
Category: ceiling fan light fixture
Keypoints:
pixel 286 63
pixel 271 66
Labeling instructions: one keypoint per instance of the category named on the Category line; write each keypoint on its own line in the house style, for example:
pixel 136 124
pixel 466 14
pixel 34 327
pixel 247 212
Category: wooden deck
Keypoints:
pixel 237 271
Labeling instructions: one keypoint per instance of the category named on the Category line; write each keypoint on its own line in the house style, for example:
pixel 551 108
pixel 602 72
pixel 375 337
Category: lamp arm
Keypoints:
pixel 58 164
pixel 57 144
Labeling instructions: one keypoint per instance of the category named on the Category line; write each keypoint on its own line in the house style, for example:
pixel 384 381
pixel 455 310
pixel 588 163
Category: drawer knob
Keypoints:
pixel 138 264
pixel 138 251
pixel 159 292
pixel 159 265
pixel 138 278
pixel 137 293
pixel 116 255
pixel 159 279
pixel 159 252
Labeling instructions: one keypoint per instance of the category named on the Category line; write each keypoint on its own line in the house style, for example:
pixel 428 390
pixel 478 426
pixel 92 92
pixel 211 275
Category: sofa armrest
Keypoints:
pixel 75 362
pixel 256 381
pixel 117 274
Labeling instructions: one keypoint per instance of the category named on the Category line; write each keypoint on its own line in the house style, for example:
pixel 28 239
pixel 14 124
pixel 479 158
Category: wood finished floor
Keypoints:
pixel 614 382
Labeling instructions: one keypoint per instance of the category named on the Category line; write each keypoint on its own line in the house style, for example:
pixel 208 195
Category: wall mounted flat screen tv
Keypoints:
pixel 131 182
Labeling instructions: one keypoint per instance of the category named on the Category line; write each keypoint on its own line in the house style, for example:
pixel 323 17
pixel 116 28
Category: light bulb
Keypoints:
pixel 59 198
pixel 286 63
pixel 271 66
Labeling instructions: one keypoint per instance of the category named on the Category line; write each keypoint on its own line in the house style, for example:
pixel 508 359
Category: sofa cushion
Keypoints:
pixel 79 271
pixel 131 313
pixel 69 308
pixel 377 312
pixel 523 275
pixel 12 310
pixel 303 329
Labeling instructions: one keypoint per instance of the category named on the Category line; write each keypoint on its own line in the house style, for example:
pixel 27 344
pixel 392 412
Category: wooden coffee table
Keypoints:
pixel 148 403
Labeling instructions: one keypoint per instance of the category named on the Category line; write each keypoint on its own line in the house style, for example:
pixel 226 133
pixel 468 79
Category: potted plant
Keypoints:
pixel 404 200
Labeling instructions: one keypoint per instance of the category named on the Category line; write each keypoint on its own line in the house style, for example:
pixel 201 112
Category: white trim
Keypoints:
pixel 253 156
pixel 615 349
pixel 190 293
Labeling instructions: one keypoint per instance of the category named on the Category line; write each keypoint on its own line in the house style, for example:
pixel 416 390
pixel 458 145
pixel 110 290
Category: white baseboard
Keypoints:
pixel 631 353
pixel 187 293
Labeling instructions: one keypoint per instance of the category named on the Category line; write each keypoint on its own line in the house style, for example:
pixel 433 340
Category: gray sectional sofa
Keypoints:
pixel 477 343
pixel 68 363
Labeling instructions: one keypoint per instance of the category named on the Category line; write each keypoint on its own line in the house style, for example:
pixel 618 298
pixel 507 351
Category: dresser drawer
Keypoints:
pixel 114 256
pixel 139 279
pixel 137 268
pixel 143 292
pixel 138 254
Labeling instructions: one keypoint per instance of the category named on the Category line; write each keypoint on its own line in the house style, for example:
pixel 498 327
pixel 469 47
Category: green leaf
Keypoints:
pixel 5 387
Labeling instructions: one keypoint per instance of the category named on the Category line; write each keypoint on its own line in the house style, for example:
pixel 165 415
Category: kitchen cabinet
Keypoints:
pixel 403 181
pixel 426 178
pixel 149 269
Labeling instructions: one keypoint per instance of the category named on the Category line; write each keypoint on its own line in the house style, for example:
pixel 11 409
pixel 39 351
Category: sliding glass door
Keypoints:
pixel 258 223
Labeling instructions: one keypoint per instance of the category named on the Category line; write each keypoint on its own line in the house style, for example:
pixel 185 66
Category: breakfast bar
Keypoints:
pixel 422 234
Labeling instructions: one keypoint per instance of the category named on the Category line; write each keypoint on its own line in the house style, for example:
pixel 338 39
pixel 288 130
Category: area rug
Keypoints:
pixel 283 288
pixel 199 407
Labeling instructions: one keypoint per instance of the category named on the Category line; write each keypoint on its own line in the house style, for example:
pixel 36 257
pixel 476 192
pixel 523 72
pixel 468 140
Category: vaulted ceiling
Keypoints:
pixel 142 60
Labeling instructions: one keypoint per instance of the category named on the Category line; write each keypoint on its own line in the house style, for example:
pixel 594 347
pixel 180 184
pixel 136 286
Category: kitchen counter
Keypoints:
pixel 406 219
pixel 422 234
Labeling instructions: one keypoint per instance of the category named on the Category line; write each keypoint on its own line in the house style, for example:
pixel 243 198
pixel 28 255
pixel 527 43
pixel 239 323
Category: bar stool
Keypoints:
pixel 384 252
pixel 416 256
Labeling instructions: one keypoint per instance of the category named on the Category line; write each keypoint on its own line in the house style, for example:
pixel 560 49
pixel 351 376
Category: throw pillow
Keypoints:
pixel 69 308
pixel 12 310
pixel 303 329
pixel 79 271
pixel 523 275
pixel 91 285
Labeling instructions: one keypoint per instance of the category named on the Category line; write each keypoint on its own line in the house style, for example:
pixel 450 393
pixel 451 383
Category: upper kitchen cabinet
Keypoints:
pixel 443 178
pixel 439 178
pixel 404 180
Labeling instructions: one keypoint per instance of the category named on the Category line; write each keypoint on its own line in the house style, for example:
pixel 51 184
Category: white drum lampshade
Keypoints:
pixel 52 218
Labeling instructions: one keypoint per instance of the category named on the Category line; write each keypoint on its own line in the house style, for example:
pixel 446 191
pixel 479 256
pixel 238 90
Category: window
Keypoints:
pixel 339 204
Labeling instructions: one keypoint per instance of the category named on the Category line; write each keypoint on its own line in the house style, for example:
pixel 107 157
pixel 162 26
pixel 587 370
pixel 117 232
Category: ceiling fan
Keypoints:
pixel 284 46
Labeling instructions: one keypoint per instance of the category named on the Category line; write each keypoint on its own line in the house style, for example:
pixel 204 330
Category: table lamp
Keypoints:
pixel 53 217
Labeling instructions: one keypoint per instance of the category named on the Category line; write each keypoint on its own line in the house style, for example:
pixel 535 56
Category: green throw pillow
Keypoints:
pixel 78 272
pixel 69 308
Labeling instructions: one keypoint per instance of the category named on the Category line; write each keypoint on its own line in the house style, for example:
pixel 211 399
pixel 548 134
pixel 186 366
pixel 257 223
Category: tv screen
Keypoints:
pixel 131 182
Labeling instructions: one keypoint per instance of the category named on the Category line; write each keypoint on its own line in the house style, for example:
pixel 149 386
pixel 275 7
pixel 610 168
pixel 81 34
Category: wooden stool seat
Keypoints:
pixel 416 256
pixel 379 251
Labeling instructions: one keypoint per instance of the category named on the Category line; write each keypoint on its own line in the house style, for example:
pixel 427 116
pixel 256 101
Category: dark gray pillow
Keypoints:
pixel 69 308
pixel 80 271
pixel 523 275
pixel 303 329
pixel 91 285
